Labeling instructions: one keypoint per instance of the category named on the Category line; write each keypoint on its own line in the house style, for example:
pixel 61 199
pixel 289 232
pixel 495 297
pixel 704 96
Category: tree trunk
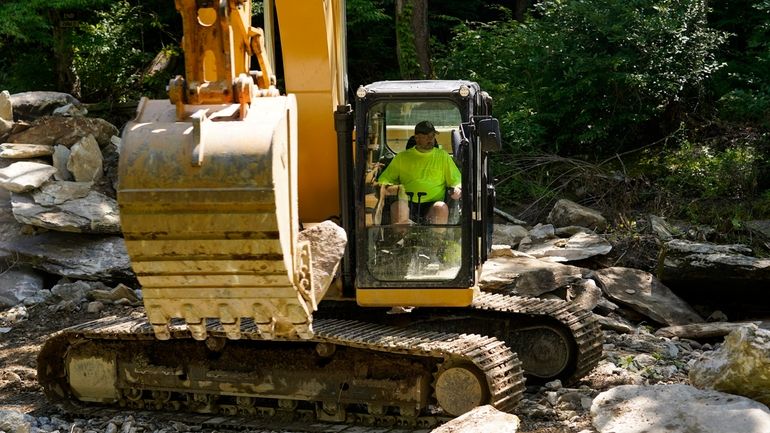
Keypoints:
pixel 413 39
pixel 66 79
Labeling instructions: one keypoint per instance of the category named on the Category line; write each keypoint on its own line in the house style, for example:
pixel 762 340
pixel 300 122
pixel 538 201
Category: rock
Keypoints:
pixel 23 176
pixel 585 293
pixel 701 331
pixel 483 419
pixel 541 232
pixel 711 264
pixel 17 284
pixel 6 128
pixel 505 234
pixel 717 316
pixel 111 296
pixel 676 408
pixel 85 161
pixel 75 292
pixel 85 257
pixel 15 422
pixel 22 150
pixel 70 110
pixel 662 229
pixel 31 105
pixel 615 324
pixel 65 131
pixel 759 227
pixel 327 245
pixel 650 296
pixel 56 193
pixel 61 154
pixel 94 213
pixel 569 213
pixel 578 247
pixel 740 366
pixel 526 276
pixel 6 107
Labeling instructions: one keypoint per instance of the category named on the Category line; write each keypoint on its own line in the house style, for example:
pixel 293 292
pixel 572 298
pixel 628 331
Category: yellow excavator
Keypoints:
pixel 217 186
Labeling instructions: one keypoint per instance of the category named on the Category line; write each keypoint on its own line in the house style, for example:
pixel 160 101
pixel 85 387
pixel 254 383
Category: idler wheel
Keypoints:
pixel 460 388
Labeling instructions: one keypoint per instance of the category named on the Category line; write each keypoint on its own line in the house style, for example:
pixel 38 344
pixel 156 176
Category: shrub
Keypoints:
pixel 589 76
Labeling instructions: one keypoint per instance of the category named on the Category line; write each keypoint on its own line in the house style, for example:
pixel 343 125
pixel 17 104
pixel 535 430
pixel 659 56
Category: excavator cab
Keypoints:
pixel 419 263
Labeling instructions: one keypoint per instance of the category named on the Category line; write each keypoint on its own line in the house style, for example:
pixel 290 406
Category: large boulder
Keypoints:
pixel 65 131
pixel 569 213
pixel 506 234
pixel 740 366
pixel 31 105
pixel 24 176
pixel 676 408
pixel 646 294
pixel 327 245
pixel 711 264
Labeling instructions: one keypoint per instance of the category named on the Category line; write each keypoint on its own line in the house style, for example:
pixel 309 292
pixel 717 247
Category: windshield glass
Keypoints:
pixel 413 217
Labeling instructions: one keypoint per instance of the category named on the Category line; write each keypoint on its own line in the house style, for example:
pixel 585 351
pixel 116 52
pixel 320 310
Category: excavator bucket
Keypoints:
pixel 209 214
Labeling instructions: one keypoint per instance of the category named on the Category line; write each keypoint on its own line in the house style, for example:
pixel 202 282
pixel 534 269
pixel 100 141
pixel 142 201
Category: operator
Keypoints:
pixel 420 177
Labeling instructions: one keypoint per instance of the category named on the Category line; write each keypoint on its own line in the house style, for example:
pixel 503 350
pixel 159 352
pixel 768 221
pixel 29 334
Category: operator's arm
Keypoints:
pixel 390 177
pixel 453 177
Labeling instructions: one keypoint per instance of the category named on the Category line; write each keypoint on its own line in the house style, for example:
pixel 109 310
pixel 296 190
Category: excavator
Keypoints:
pixel 218 185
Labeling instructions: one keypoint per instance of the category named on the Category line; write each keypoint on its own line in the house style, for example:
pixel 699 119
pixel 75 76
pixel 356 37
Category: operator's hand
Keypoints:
pixel 392 189
pixel 456 193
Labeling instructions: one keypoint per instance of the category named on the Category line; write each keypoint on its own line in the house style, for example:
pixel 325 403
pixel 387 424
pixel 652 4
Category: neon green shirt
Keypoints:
pixel 430 172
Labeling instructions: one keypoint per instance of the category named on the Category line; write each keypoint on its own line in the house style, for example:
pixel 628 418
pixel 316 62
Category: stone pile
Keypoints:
pixel 58 212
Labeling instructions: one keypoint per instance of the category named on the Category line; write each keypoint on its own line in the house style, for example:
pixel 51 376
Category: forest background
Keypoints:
pixel 629 106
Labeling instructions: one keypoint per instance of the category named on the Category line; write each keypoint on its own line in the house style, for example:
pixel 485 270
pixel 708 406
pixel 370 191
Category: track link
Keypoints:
pixel 582 324
pixel 444 357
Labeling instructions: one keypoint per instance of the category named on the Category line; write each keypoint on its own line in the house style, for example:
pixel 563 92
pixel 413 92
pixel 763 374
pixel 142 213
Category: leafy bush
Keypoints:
pixel 109 55
pixel 588 76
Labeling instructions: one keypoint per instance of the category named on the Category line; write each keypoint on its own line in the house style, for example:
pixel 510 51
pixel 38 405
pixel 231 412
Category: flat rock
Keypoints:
pixel 24 176
pixel 676 409
pixel 75 255
pixel 526 276
pixel 646 294
pixel 711 264
pixel 739 366
pixel 483 419
pixel 92 213
pixel 65 131
pixel 700 331
pixel 23 150
pixel 577 247
pixel 568 213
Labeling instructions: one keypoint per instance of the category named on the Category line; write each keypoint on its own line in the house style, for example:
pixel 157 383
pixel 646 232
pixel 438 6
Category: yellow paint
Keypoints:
pixel 422 297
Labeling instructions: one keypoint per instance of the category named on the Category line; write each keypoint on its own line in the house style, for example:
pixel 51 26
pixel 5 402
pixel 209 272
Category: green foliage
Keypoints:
pixel 109 55
pixel 743 86
pixel 703 172
pixel 588 76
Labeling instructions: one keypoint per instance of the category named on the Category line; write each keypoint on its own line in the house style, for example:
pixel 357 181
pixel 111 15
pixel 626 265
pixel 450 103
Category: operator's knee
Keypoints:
pixel 399 212
pixel 438 213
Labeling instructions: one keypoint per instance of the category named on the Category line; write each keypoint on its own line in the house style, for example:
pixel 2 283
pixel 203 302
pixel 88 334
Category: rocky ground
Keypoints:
pixel 638 358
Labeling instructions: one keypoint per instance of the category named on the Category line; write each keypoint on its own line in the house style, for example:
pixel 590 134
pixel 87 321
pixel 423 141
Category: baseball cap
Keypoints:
pixel 424 127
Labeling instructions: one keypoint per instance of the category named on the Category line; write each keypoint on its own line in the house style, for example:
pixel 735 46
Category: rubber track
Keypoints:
pixel 500 367
pixel 581 323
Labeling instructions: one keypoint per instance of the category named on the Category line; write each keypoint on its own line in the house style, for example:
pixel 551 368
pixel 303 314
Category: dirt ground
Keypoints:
pixel 20 341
